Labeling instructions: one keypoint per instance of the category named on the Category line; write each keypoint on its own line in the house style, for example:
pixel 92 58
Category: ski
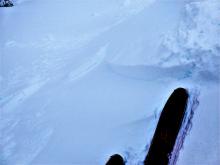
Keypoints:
pixel 116 159
pixel 168 127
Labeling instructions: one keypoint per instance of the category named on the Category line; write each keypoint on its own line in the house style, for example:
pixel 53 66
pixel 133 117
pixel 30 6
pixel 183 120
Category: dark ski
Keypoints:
pixel 167 129
pixel 116 160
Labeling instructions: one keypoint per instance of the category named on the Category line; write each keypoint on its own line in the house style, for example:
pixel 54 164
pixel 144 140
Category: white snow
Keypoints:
pixel 82 80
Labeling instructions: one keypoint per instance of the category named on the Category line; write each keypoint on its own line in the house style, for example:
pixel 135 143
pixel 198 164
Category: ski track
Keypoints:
pixel 16 146
pixel 89 65
pixel 22 95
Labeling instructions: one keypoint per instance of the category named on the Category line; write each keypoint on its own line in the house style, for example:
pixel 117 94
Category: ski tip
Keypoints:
pixel 181 90
pixel 178 97
pixel 116 159
pixel 168 128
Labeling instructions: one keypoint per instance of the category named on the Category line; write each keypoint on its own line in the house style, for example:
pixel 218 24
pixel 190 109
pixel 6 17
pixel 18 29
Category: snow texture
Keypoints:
pixel 82 80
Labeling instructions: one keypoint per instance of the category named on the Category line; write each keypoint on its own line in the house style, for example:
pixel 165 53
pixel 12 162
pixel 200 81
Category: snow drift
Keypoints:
pixel 89 78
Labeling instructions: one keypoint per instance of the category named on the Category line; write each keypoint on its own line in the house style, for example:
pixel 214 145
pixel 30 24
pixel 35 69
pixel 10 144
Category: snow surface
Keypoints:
pixel 81 80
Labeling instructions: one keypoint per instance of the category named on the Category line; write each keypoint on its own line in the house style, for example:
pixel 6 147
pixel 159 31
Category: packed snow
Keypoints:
pixel 81 80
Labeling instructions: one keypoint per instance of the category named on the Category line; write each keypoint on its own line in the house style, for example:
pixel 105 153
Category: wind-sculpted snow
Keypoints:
pixel 88 65
pixel 78 73
pixel 145 72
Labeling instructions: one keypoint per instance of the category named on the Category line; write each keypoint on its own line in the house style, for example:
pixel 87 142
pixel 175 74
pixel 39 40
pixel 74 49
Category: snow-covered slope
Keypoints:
pixel 81 80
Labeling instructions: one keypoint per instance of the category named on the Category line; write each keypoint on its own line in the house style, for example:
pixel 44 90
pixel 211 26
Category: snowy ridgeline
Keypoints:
pixel 98 73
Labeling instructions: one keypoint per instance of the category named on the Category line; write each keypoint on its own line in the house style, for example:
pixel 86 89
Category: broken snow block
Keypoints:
pixel 6 3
